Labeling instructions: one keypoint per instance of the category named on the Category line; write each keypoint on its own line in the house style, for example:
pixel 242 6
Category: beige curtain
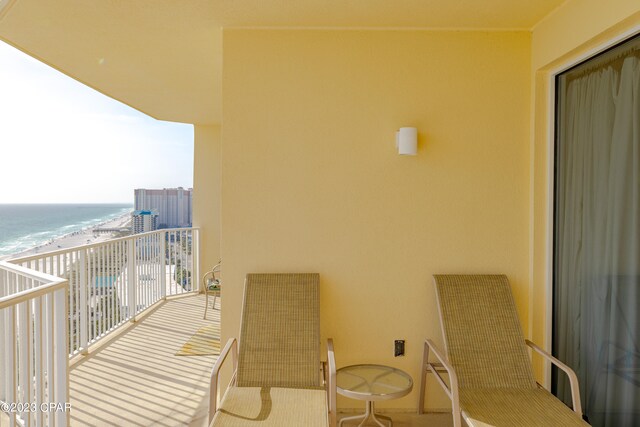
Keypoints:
pixel 597 240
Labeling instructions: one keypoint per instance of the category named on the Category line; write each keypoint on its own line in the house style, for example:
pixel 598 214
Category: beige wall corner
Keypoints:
pixel 575 23
pixel 312 180
pixel 578 29
pixel 206 193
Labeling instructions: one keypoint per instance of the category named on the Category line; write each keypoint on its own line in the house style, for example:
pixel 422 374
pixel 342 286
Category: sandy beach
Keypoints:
pixel 78 238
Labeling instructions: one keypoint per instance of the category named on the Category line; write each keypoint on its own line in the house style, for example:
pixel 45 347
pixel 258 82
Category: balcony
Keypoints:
pixel 99 326
pixel 136 379
pixel 107 322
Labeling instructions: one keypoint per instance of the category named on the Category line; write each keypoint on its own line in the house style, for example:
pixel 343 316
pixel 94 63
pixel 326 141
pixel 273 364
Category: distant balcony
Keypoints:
pixel 106 321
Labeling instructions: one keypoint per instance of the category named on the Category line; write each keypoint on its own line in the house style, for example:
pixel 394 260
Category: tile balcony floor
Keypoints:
pixel 136 379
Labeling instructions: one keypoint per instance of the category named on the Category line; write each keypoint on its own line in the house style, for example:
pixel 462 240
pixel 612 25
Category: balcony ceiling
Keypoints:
pixel 163 57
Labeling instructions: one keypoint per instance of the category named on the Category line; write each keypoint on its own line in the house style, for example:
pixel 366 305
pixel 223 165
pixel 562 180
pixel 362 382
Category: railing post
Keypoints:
pixel 83 309
pixel 3 333
pixel 163 265
pixel 61 355
pixel 195 255
pixel 38 353
pixel 131 279
pixel 49 340
pixel 11 390
pixel 24 353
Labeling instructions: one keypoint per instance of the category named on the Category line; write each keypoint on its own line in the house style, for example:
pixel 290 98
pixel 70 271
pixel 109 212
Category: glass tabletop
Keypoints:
pixel 373 382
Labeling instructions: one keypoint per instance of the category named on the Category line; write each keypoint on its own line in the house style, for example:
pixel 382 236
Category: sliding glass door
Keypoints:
pixel 596 310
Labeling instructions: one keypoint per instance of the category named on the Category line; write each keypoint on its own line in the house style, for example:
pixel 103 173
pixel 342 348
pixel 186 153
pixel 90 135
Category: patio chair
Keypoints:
pixel 212 286
pixel 490 373
pixel 278 379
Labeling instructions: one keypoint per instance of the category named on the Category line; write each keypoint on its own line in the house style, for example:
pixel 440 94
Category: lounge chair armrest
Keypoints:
pixel 230 347
pixel 435 368
pixel 331 383
pixel 443 362
pixel 573 379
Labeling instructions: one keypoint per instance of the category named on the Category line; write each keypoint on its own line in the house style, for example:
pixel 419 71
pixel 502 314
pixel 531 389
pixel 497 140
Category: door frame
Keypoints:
pixel 550 197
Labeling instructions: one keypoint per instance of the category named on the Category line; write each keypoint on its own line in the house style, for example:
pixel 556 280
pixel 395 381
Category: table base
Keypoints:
pixel 368 414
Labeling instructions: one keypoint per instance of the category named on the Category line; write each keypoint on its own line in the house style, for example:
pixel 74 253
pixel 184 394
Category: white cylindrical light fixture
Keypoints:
pixel 407 141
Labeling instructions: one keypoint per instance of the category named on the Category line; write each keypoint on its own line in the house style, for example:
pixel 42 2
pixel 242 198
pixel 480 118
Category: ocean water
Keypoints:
pixel 23 226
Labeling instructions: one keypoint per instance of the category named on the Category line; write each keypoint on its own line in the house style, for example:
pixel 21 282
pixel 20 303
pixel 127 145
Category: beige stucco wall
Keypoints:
pixel 311 179
pixel 206 193
pixel 577 29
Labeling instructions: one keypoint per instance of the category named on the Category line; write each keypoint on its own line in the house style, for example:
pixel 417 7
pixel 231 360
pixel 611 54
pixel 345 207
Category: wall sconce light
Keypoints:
pixel 407 141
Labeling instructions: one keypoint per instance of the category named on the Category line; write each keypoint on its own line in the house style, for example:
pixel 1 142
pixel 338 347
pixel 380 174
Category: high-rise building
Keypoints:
pixel 143 221
pixel 173 205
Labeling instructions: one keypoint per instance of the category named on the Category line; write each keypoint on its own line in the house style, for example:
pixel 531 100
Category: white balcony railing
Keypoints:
pixel 34 386
pixel 112 282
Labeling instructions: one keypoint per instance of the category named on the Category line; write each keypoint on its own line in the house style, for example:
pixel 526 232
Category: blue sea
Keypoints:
pixel 23 226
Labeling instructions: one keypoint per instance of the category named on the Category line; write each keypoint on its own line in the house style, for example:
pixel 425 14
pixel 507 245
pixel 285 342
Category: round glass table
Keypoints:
pixel 372 383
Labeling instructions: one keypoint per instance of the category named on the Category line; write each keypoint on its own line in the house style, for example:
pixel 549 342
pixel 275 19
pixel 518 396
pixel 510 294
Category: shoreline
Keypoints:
pixel 87 235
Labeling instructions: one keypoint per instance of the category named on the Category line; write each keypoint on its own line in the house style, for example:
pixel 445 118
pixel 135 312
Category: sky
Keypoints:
pixel 63 142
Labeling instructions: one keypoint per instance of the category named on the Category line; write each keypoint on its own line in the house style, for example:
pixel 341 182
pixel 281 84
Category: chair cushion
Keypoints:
pixel 272 406
pixel 515 408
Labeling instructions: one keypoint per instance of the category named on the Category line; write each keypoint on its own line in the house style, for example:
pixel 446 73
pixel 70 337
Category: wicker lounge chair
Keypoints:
pixel 490 374
pixel 277 377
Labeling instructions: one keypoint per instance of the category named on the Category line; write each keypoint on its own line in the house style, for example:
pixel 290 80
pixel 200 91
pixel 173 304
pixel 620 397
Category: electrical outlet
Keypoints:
pixel 398 348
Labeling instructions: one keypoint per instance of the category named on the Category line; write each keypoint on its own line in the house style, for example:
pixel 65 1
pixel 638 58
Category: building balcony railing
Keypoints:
pixel 76 297
pixel 34 370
